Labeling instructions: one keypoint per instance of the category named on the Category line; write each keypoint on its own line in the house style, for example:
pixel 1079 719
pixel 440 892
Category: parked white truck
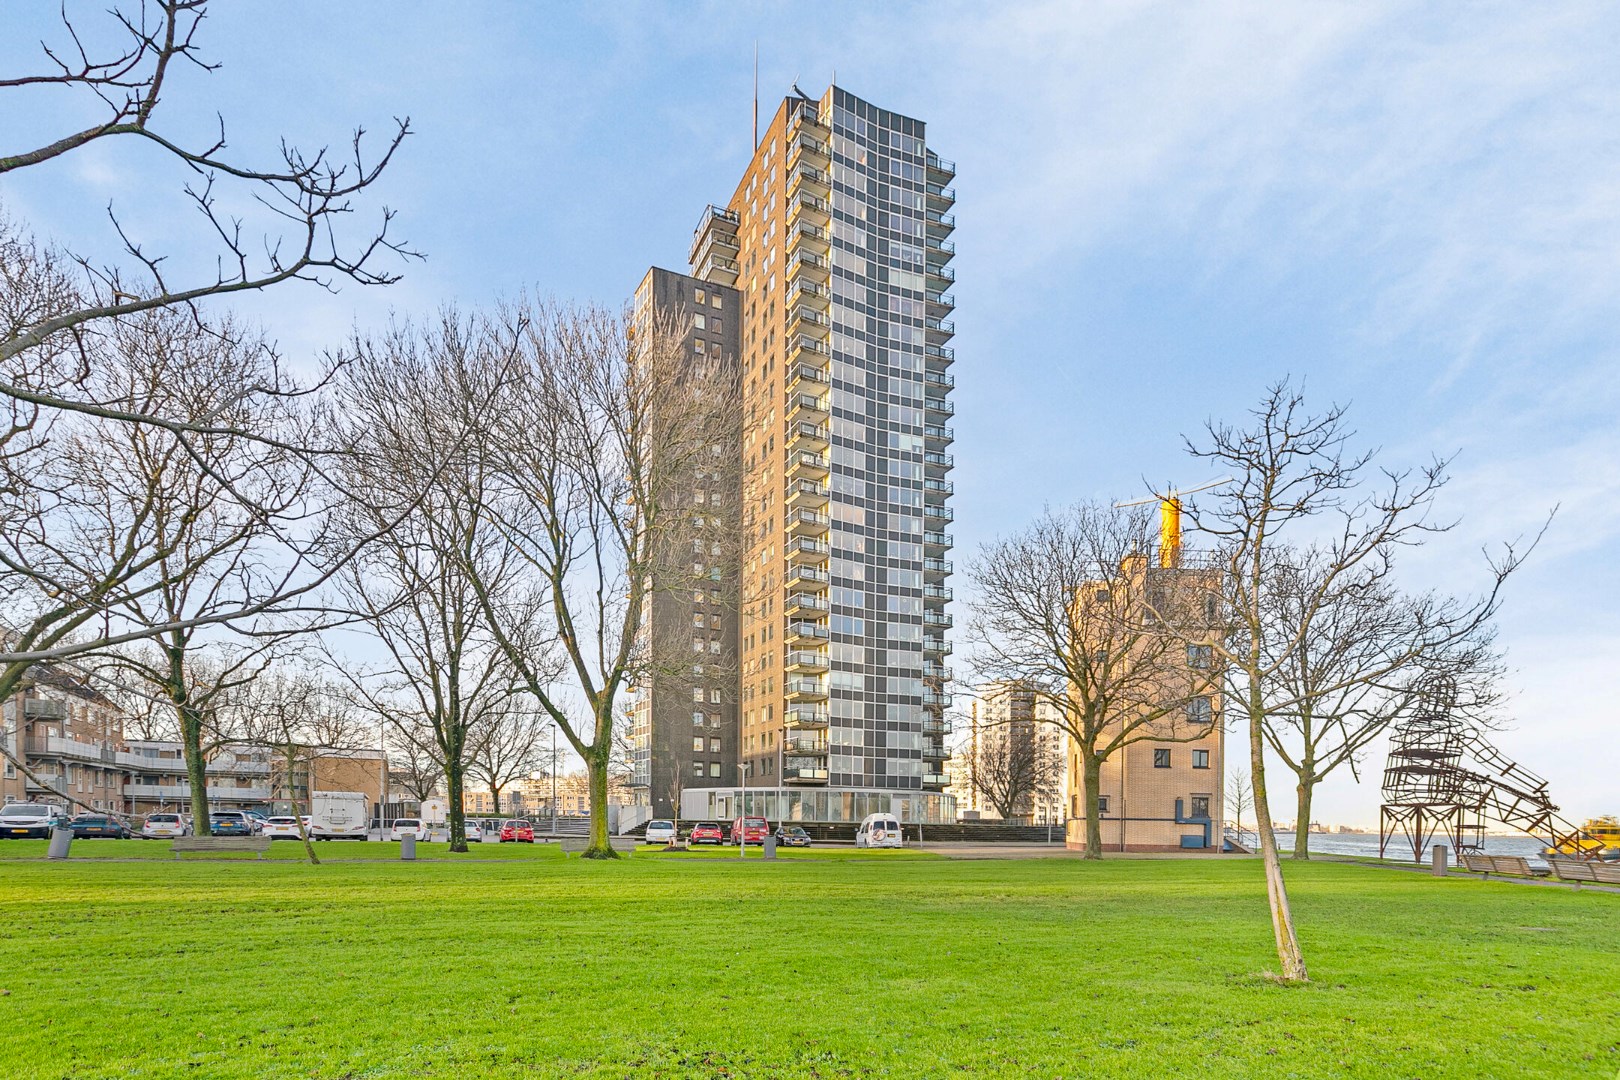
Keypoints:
pixel 339 815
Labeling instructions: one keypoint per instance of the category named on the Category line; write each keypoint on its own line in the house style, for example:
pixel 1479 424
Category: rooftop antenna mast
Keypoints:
pixel 756 94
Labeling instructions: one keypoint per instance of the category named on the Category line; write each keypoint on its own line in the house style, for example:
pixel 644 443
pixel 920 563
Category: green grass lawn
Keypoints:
pixel 821 964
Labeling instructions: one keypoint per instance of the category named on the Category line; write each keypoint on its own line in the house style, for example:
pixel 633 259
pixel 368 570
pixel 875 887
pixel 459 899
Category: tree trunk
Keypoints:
pixel 596 773
pixel 1092 767
pixel 1282 918
pixel 452 791
pixel 1302 824
pixel 496 792
pixel 196 767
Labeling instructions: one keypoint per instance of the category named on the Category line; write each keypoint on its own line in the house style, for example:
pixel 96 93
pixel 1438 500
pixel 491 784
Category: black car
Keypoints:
pixel 92 826
pixel 792 836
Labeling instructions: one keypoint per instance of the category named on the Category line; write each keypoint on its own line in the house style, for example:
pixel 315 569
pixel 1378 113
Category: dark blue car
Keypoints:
pixel 230 823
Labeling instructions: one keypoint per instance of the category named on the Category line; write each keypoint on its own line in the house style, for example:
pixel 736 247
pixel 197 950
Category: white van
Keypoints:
pixel 880 830
pixel 339 815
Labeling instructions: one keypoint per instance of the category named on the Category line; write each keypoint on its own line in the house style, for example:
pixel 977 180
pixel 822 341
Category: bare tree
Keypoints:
pixel 1293 471
pixel 1239 795
pixel 306 200
pixel 506 746
pixel 413 757
pixel 119 532
pixel 1063 609
pixel 1012 767
pixel 1359 655
pixel 597 451
pixel 411 408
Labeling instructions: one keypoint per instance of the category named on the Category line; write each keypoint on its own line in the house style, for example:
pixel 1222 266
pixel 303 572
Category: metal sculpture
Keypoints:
pixel 1443 778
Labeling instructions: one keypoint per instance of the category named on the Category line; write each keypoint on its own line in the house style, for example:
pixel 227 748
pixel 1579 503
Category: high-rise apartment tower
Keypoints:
pixel 836 244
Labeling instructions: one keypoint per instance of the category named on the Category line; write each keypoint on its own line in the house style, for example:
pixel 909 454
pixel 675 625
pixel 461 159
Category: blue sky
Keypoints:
pixel 1160 209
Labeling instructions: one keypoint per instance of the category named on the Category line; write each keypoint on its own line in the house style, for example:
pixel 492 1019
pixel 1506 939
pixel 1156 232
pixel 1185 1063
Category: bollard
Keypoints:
pixel 770 845
pixel 407 847
pixel 1439 857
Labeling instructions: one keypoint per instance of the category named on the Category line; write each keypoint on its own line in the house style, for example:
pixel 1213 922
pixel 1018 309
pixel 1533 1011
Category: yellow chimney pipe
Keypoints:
pixel 1170 531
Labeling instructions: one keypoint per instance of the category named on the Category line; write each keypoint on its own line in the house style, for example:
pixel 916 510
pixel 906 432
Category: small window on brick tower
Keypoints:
pixel 1161 758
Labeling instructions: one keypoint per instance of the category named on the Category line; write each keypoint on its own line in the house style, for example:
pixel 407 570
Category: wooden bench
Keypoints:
pixel 257 844
pixel 573 845
pixel 1486 865
pixel 1579 870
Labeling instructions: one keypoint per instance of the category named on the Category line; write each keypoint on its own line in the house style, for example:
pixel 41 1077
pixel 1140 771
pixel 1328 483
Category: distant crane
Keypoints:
pixel 1170 517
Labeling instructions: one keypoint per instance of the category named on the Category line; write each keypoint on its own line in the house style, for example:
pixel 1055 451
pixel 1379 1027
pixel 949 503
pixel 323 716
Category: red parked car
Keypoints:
pixel 749 830
pixel 517 831
pixel 707 832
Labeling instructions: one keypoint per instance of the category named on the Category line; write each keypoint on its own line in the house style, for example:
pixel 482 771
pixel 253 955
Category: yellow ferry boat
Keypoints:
pixel 1603 831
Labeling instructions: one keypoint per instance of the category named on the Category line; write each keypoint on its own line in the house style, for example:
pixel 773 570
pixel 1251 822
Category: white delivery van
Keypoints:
pixel 879 830
pixel 339 815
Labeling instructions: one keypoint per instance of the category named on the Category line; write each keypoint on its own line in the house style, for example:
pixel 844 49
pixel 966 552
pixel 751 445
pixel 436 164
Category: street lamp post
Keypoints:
pixel 553 778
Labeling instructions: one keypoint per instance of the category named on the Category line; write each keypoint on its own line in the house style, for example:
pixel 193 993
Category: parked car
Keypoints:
pixel 28 819
pixel 517 831
pixel 792 836
pixel 256 819
pixel 280 828
pixel 707 832
pixel 164 824
pixel 749 830
pixel 98 826
pixel 408 826
pixel 230 823
pixel 474 828
pixel 879 830
pixel 660 832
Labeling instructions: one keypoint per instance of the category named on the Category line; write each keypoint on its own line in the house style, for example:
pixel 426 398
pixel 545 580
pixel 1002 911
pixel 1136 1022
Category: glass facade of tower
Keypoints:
pixel 889 408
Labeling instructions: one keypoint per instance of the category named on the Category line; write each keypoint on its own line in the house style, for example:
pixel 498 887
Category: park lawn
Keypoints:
pixel 834 965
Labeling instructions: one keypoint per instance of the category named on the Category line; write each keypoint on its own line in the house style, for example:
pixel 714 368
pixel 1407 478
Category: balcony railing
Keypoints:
pixel 802 575
pixel 940 352
pixel 815 630
pixel 937 618
pixel 941 460
pixel 939 166
pixel 939 513
pixel 942 779
pixel 939 539
pixel 937 566
pixel 806 659
pixel 803 716
pixel 941 299
pixel 812 601
pixel 804 774
pixel 939 433
pixel 937 592
pixel 939 378
pixel 944 487
pixel 805 746
pixel 809 520
pixel 806 687
pixel 936 645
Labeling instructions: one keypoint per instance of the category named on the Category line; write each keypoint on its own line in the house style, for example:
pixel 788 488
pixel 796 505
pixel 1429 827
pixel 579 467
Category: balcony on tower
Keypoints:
pixel 807 579
pixel 804 717
pixel 939 277
pixel 936 543
pixel 937 569
pixel 802 660
pixel 806 351
pixel 938 435
pixel 807 523
pixel 803 632
pixel 806 178
pixel 810 237
pixel 808 412
pixel 806 206
pixel 939 357
pixel 806 465
pixel 937 463
pixel 940 225
pixel 805 265
pixel 940 171
pixel 801 772
pixel 938 331
pixel 939 252
pixel 938 406
pixel 805 550
pixel 715 246
pixel 806 147
pixel 806 495
pixel 805 690
pixel 804 432
pixel 940 303
pixel 940 198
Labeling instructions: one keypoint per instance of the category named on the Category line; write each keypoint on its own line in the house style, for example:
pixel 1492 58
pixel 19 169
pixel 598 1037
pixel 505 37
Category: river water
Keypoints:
pixel 1400 848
